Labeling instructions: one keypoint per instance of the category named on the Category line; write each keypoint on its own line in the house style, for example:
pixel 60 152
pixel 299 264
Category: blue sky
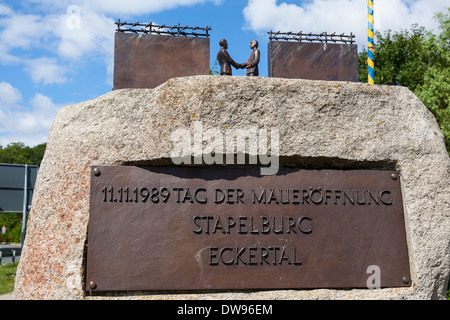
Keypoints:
pixel 58 53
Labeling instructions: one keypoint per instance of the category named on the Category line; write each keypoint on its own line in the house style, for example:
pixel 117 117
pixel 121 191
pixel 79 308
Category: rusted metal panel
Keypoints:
pixel 147 60
pixel 313 61
pixel 199 228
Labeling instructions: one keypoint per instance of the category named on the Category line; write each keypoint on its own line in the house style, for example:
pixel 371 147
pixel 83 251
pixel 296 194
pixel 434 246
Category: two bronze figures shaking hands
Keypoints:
pixel 225 60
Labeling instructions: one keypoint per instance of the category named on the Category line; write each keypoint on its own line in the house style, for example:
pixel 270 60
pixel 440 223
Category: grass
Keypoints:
pixel 7 277
pixel 448 290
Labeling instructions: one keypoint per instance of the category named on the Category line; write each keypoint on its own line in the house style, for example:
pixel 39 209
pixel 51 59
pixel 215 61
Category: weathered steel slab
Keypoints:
pixel 313 61
pixel 181 228
pixel 146 61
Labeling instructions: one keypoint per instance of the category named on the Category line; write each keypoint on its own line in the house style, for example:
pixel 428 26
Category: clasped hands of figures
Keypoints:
pixel 225 61
pixel 242 66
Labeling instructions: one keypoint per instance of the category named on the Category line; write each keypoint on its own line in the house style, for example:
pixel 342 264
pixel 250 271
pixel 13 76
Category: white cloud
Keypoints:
pixel 340 16
pixel 129 7
pixel 4 10
pixel 30 124
pixel 263 15
pixel 89 33
pixel 40 117
pixel 50 44
pixel 46 71
pixel 401 14
pixel 69 34
pixel 22 31
pixel 6 58
pixel 54 33
pixel 9 96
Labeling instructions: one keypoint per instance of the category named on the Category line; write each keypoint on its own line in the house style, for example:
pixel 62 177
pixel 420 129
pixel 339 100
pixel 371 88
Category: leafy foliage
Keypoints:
pixel 18 153
pixel 419 60
pixel 13 224
pixel 214 71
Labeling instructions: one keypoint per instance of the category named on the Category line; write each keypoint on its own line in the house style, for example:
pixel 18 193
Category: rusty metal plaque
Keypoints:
pixel 206 228
pixel 146 61
pixel 313 61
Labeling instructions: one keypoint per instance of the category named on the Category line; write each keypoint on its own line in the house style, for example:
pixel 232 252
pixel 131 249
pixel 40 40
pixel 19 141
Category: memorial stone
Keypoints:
pixel 129 195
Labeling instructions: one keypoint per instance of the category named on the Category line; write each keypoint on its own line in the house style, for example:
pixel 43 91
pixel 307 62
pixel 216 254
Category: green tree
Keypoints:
pixel 434 91
pixel 18 153
pixel 419 60
pixel 37 154
pixel 13 225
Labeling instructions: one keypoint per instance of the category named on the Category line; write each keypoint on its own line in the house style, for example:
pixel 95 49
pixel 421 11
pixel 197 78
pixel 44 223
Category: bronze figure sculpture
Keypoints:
pixel 225 59
pixel 253 60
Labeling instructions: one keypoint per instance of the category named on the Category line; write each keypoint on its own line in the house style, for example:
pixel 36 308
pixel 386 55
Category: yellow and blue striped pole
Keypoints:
pixel 370 51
